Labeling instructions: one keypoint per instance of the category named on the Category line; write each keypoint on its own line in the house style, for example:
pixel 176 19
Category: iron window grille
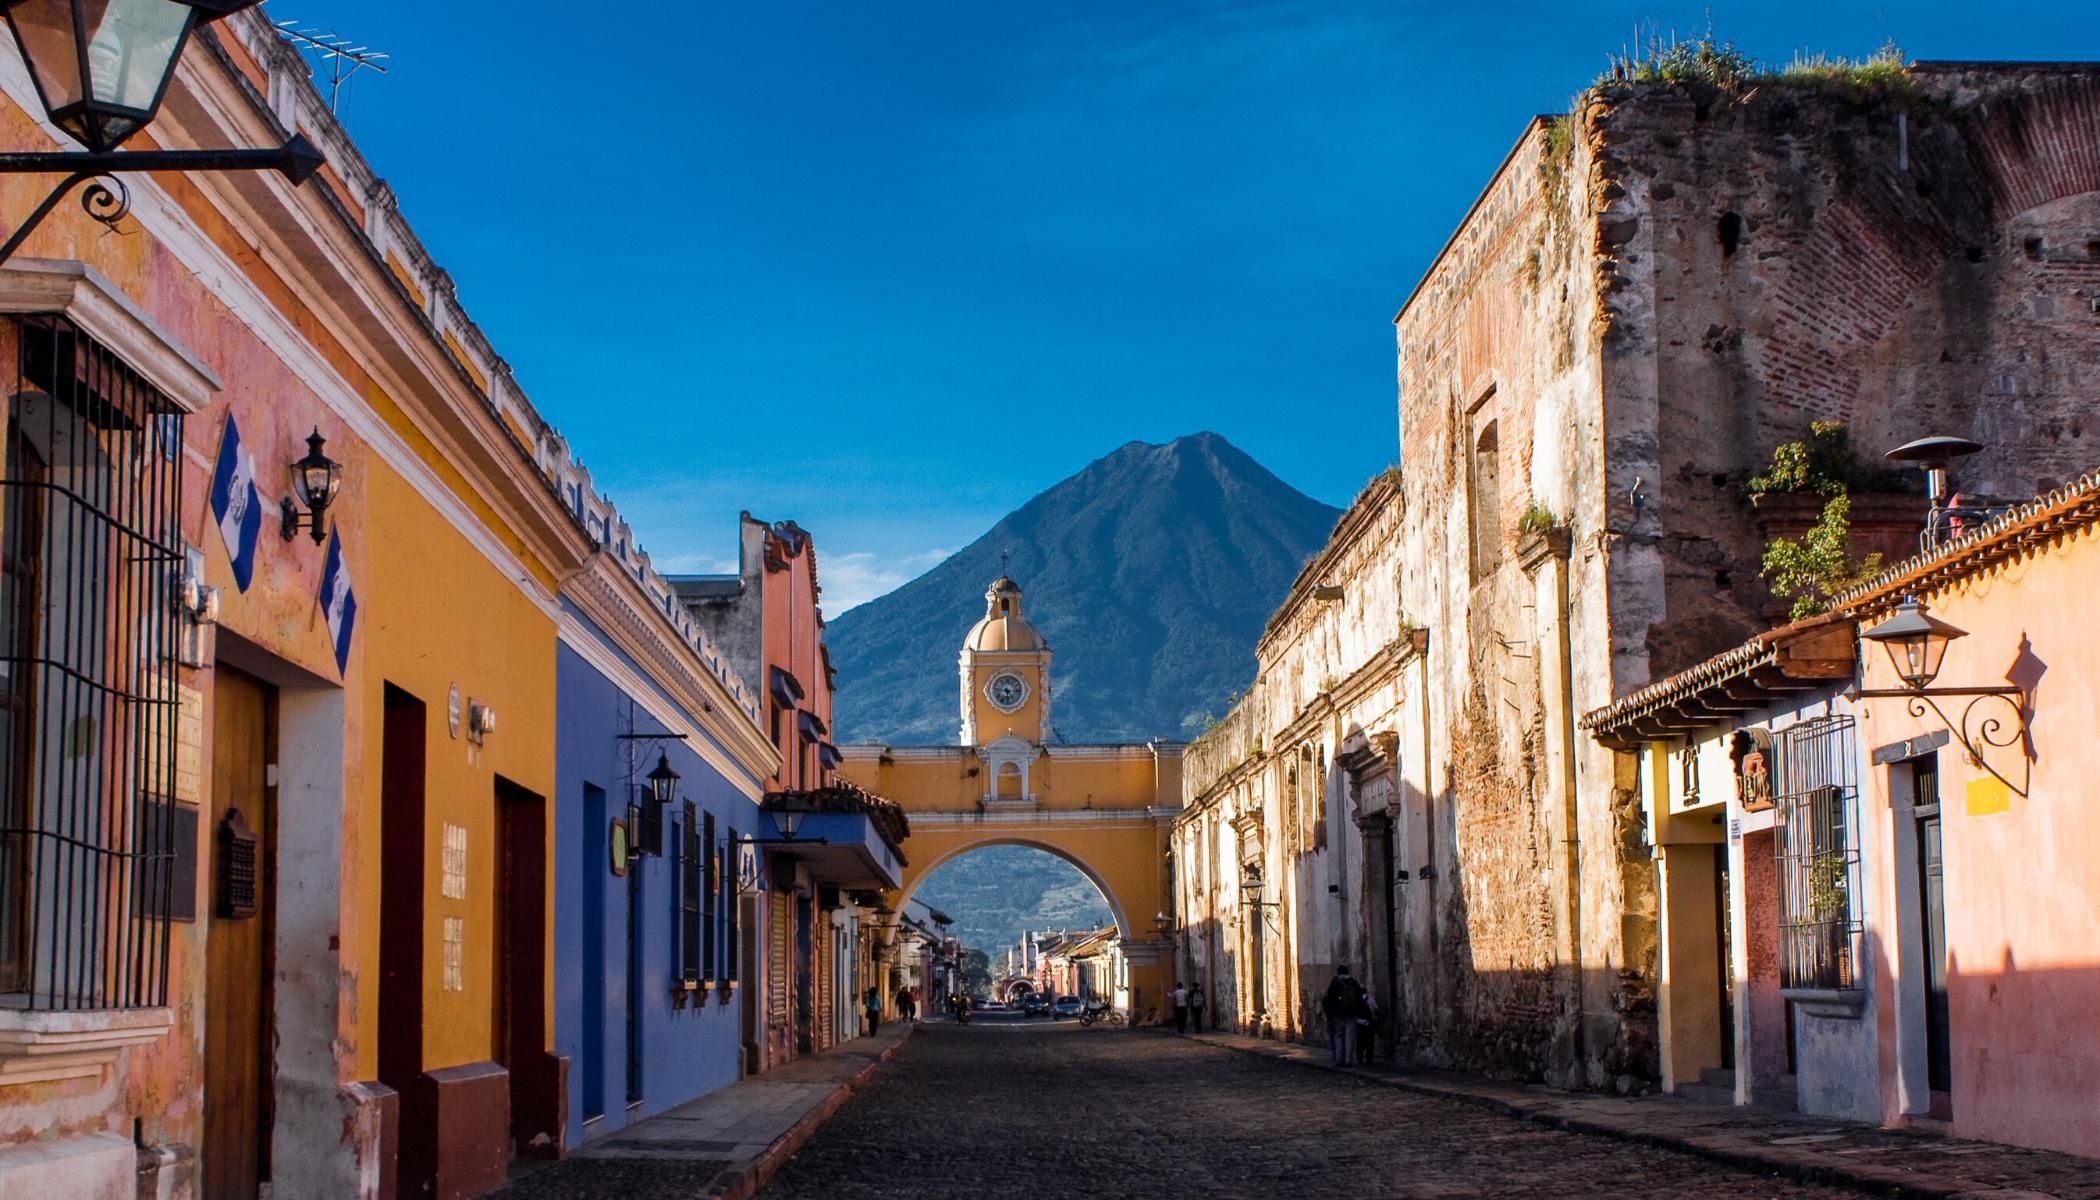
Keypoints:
pixel 710 859
pixel 732 903
pixel 90 549
pixel 689 896
pixel 1816 794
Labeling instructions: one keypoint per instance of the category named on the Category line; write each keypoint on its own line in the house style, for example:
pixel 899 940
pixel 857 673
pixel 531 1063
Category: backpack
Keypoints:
pixel 1348 997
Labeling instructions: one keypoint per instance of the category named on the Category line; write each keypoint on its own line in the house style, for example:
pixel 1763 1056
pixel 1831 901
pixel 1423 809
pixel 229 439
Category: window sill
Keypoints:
pixel 1841 1004
pixel 36 1047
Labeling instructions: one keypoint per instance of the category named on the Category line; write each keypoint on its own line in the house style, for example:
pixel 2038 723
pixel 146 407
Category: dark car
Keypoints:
pixel 1067 1006
pixel 1034 1005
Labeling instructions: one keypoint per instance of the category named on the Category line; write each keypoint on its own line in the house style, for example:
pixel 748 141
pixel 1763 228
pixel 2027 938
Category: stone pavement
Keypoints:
pixel 1884 1161
pixel 1037 1109
pixel 724 1144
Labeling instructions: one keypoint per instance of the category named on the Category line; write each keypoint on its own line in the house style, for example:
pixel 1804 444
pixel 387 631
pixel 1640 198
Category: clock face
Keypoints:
pixel 1006 691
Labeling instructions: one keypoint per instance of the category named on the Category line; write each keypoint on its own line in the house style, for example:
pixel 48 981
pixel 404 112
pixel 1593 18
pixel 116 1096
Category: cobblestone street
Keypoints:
pixel 1060 1110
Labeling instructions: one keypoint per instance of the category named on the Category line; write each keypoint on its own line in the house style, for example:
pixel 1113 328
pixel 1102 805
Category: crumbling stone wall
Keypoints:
pixel 1650 296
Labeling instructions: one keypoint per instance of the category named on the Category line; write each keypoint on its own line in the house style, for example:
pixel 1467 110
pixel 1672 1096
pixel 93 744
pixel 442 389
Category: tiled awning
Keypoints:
pixel 1807 655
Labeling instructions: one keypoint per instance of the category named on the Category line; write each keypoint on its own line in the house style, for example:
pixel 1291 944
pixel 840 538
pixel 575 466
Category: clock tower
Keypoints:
pixel 1005 674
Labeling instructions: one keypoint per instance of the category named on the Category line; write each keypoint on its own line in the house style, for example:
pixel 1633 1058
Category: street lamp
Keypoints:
pixel 101 69
pixel 663 781
pixel 1916 642
pixel 316 478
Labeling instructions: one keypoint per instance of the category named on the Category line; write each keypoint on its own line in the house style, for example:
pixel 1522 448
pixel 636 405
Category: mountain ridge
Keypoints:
pixel 1150 571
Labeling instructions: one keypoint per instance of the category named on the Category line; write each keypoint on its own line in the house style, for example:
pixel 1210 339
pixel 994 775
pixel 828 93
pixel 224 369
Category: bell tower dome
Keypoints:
pixel 1005 673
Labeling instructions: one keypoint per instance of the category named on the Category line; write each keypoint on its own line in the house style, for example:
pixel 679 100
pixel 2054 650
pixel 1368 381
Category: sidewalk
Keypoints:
pixel 727 1143
pixel 1886 1161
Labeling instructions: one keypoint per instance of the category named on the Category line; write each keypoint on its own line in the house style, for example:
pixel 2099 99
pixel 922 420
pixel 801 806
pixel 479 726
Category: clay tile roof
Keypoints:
pixel 2044 518
pixel 1797 657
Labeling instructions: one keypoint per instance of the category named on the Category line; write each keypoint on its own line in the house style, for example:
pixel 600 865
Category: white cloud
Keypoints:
pixel 858 576
pixel 691 564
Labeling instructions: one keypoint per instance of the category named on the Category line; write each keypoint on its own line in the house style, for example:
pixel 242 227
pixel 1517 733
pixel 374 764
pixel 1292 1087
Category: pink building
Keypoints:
pixel 1880 890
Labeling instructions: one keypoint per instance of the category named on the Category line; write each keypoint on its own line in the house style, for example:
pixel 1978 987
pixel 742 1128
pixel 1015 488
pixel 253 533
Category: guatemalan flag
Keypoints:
pixel 235 504
pixel 338 602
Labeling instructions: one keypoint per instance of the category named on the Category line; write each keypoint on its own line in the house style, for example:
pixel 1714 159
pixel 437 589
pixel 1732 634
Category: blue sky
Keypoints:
pixel 891 268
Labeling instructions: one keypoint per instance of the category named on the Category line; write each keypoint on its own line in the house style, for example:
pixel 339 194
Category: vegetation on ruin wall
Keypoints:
pixel 1718 64
pixel 1810 570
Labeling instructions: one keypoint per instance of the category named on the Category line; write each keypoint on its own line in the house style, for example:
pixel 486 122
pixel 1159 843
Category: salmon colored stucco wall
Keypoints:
pixel 2022 873
pixel 433 610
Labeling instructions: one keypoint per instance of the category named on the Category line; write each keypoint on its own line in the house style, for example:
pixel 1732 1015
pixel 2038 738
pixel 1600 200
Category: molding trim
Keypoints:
pixel 37 1047
pixel 745 771
pixel 87 298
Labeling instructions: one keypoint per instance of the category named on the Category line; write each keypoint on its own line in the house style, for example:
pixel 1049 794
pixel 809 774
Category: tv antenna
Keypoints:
pixel 339 56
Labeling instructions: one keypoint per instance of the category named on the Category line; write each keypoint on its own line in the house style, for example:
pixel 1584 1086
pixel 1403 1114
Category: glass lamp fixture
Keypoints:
pixel 101 67
pixel 1916 642
pixel 316 478
pixel 663 781
pixel 789 820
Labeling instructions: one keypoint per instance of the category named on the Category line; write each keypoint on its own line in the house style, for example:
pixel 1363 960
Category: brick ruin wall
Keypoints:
pixel 1646 305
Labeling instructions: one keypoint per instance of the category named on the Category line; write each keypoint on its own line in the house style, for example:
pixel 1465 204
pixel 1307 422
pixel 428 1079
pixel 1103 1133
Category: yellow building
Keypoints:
pixel 1102 808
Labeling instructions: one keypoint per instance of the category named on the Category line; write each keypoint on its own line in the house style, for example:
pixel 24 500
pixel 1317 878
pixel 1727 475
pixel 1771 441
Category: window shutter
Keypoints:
pixel 712 862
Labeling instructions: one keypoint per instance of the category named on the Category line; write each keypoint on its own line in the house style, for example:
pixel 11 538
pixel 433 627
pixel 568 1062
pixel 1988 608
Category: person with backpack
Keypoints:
pixel 1342 1005
pixel 1196 1003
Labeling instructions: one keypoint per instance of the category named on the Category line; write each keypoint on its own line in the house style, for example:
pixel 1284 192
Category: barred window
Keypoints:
pixel 689 895
pixel 1816 794
pixel 89 551
pixel 711 861
pixel 732 891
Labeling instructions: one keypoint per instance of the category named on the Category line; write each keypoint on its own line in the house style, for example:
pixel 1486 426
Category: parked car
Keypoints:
pixel 1067 1006
pixel 1034 1005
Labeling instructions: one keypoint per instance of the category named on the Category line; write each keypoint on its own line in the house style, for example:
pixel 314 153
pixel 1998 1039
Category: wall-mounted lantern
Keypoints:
pixel 101 69
pixel 662 781
pixel 1916 642
pixel 481 722
pixel 316 479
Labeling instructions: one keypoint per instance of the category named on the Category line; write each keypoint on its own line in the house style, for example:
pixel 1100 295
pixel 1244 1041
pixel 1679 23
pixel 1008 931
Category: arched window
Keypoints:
pixel 1484 501
pixel 1009 781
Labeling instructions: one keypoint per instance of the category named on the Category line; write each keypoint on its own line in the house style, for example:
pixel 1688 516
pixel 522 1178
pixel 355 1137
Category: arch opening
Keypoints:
pixel 1000 889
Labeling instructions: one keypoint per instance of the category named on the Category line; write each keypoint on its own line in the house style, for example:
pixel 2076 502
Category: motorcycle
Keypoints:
pixel 962 1012
pixel 1099 1012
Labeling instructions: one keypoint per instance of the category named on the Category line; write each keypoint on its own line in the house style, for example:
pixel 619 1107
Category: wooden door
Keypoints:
pixel 237 1019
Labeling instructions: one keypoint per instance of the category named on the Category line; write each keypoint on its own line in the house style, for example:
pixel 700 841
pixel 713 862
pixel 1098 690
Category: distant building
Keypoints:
pixel 820 908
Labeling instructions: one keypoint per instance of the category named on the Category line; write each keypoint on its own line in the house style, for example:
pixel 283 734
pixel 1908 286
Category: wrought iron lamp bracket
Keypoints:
pixel 297 160
pixel 1976 731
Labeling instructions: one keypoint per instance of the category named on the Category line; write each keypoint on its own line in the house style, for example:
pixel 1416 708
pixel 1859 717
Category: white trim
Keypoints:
pixel 164 220
pixel 592 649
pixel 91 301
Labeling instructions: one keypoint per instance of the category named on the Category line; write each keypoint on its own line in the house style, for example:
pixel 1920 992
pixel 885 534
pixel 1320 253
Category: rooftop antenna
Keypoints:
pixel 340 56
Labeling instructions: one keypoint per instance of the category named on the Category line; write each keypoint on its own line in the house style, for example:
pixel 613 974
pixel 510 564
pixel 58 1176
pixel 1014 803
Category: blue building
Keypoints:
pixel 660 767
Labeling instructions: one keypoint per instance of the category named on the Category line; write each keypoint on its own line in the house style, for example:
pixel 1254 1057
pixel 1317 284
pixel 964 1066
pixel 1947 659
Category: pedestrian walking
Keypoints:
pixel 1196 1003
pixel 1180 998
pixel 873 1003
pixel 907 1003
pixel 1342 1005
pixel 1367 1029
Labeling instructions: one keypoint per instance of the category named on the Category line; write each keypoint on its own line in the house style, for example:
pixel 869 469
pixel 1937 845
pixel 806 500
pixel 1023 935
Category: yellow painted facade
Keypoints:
pixel 1103 808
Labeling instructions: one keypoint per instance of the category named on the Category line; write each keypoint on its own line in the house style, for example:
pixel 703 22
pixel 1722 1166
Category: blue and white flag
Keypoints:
pixel 338 602
pixel 235 504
